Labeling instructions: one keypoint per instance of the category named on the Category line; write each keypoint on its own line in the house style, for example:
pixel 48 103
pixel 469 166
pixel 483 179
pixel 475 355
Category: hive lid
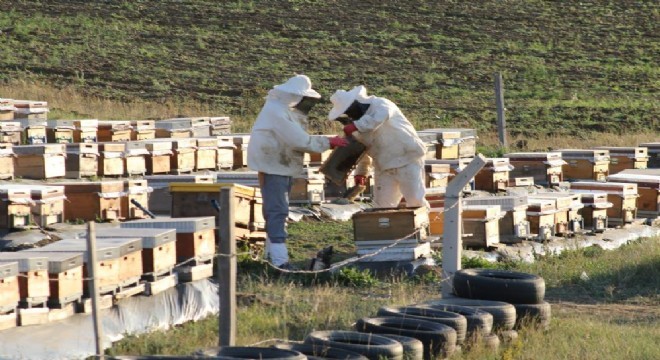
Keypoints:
pixel 8 269
pixel 26 261
pixel 59 261
pixel 151 237
pixel 181 225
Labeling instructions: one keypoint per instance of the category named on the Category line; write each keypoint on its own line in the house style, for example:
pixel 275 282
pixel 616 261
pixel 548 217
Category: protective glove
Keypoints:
pixel 349 129
pixel 338 142
pixel 360 180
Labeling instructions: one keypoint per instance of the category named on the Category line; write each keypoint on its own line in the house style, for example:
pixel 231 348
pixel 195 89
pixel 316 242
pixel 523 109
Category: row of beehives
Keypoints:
pixel 140 257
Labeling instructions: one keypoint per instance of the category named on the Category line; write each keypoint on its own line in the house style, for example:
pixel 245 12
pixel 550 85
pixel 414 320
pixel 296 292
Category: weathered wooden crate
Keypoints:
pixel 595 210
pixel 514 226
pixel 43 161
pixel 31 109
pixel 308 188
pixel 111 159
pixel 541 217
pixel 33 283
pixel 494 176
pixel 65 273
pixel 9 290
pixel 11 132
pixel 47 205
pixel 7 109
pixel 481 227
pixel 206 154
pixel 114 130
pixel 14 206
pixel 544 167
pixel 648 188
pixel 626 157
pixel 195 236
pixel 130 257
pixel 654 154
pixel 86 131
pixel 623 196
pixel 94 200
pixel 60 131
pixel 390 224
pixel 143 130
pixel 436 175
pixel 567 218
pixel 158 247
pixel 582 164
pixel 220 125
pixel 6 161
pixel 137 190
pixel 159 156
pixel 82 160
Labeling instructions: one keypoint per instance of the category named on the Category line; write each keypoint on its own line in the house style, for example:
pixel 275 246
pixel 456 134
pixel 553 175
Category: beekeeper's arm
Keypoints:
pixel 371 122
pixel 295 136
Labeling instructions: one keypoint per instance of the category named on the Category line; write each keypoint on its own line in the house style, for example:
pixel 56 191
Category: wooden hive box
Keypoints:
pixel 114 130
pixel 195 236
pixel 627 157
pixel 183 155
pixel 60 131
pixel 160 201
pixel 14 206
pixel 31 109
pixel 159 157
pixel 143 130
pixel 567 218
pixel 513 224
pixel 43 161
pixel 107 258
pixel 137 190
pixel 130 257
pixel 654 154
pixel 544 167
pixel 34 131
pixel 111 159
pixel 9 290
pixel 241 142
pixel 201 126
pixel 94 200
pixel 11 132
pixel 7 109
pixel 33 282
pixel 86 131
pixel 436 175
pixel 595 210
pixel 206 154
pixel 455 167
pixel 582 164
pixel 158 247
pixel 135 158
pixel 65 273
pixel 82 160
pixel 623 196
pixel 648 188
pixel 6 161
pixel 47 205
pixel 541 217
pixel 481 225
pixel 390 224
pixel 225 155
pixel 220 125
pixel 175 128
pixel 445 144
pixel 521 182
pixel 308 188
pixel 494 176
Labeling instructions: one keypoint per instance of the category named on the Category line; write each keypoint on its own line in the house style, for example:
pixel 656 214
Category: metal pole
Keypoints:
pixel 227 269
pixel 93 289
pixel 499 101
pixel 452 242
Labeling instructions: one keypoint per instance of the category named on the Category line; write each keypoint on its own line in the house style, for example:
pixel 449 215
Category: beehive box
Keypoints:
pixel 314 159
pixel 627 157
pixel 445 144
pixel 178 127
pixel 465 144
pixel 241 142
pixel 390 224
pixel 160 201
pixel 595 210
pixel 206 154
pixel 521 182
pixel 34 131
pixel 648 188
pixel 60 131
pixel 31 109
pixel 43 161
pixel 114 130
pixel 65 273
pixel 494 176
pixel 158 247
pixel 135 158
pixel 82 160
pixel 9 291
pixel 195 236
pixel 436 175
pixel 11 132
pixel 541 217
pixel 143 130
pixel 455 167
pixel 47 206
pixel 544 167
pixel 7 109
pixel 135 190
pixel 94 200
pixel 86 131
pixel 111 159
pixel 481 225
pixel 33 283
pixel 582 164
pixel 183 155
pixel 14 206
pixel 567 218
pixel 513 225
pixel 159 156
pixel 225 153
pixel 220 125
pixel 623 196
pixel 6 161
pixel 308 188
pixel 654 154
pixel 130 257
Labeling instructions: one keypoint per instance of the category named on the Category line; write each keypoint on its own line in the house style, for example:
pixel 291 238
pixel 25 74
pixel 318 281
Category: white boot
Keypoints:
pixel 279 254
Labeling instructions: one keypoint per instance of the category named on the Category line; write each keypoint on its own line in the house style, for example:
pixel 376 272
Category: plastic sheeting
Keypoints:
pixel 73 337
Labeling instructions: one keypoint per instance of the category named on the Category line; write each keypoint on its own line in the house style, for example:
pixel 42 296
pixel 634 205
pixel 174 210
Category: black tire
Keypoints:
pixel 438 339
pixel 508 336
pixel 453 319
pixel 479 322
pixel 537 315
pixel 372 346
pixel 413 349
pixel 248 352
pixel 153 357
pixel 504 314
pixel 323 352
pixel 499 285
pixel 491 341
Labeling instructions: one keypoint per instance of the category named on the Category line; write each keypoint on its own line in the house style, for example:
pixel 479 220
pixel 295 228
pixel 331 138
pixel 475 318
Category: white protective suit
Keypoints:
pixel 395 151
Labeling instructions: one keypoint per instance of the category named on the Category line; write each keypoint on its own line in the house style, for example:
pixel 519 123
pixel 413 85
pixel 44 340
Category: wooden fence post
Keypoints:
pixel 499 101
pixel 227 269
pixel 92 265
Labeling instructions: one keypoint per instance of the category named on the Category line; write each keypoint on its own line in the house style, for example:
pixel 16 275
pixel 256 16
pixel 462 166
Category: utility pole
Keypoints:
pixel 92 265
pixel 499 101
pixel 227 269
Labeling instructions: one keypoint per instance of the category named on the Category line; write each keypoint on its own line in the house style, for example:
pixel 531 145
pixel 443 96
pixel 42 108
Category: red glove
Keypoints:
pixel 349 129
pixel 360 180
pixel 338 142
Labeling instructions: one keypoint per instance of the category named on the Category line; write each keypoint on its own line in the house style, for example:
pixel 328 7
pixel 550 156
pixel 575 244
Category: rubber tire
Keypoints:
pixel 250 352
pixel 372 346
pixel 439 339
pixel 453 319
pixel 479 322
pixel 413 349
pixel 504 314
pixel 508 336
pixel 491 341
pixel 499 285
pixel 538 315
pixel 323 352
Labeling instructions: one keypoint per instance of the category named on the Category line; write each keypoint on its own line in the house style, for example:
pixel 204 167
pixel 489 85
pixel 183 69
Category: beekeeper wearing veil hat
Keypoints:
pixel 278 142
pixel 393 147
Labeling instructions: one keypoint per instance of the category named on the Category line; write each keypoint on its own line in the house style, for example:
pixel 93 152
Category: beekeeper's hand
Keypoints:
pixel 349 129
pixel 338 142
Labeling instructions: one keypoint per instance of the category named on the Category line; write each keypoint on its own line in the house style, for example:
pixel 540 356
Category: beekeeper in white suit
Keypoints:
pixel 393 147
pixel 277 145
